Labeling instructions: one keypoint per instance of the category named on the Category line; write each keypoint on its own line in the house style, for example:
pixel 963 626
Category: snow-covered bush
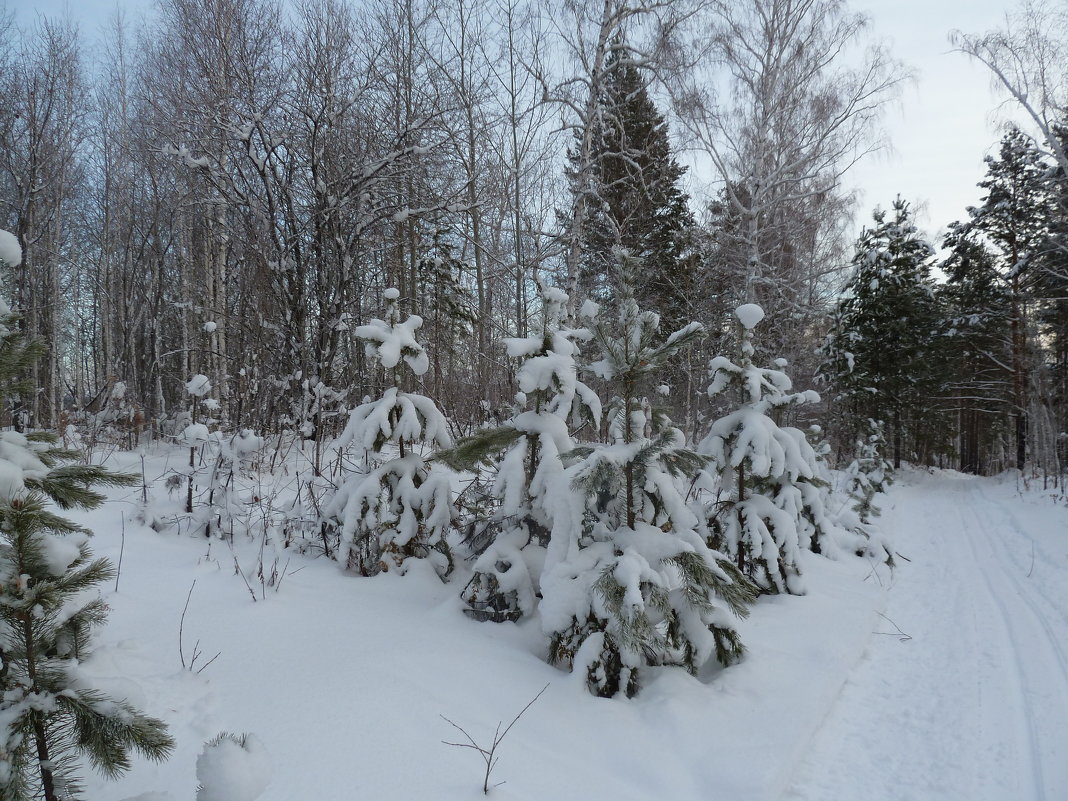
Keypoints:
pixel 397 505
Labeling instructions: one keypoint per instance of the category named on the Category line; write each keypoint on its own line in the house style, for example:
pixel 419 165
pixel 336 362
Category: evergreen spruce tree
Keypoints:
pixel 636 204
pixel 398 506
pixel 629 581
pixel 525 455
pixel 882 353
pixel 48 721
pixel 447 306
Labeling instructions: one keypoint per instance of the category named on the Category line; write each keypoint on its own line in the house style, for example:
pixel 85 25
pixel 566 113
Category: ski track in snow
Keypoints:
pixel 975 706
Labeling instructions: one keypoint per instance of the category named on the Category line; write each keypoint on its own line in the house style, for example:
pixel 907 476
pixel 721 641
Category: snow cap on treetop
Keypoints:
pixel 749 314
pixel 391 294
pixel 10 249
pixel 198 386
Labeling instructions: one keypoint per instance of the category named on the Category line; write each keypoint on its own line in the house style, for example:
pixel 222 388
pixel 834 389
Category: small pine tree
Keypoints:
pixel 870 473
pixel 768 508
pixel 525 454
pixel 399 506
pixel 48 721
pixel 630 581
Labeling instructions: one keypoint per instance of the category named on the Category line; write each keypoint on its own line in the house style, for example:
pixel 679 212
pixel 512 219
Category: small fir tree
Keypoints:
pixel 48 720
pixel 398 506
pixel 629 581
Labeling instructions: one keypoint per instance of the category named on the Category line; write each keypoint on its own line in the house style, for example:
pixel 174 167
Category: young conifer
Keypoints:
pixel 761 467
pixel 49 721
pixel 398 506
pixel 525 455
pixel 629 581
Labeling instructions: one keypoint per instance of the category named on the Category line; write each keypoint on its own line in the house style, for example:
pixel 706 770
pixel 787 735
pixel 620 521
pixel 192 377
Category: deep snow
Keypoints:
pixel 344 680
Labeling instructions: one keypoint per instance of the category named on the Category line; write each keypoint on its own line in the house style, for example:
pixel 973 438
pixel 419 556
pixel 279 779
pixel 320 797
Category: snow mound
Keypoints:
pixel 233 769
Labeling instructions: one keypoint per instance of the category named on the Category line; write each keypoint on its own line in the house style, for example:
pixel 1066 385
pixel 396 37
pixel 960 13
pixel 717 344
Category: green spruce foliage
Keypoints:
pixel 636 203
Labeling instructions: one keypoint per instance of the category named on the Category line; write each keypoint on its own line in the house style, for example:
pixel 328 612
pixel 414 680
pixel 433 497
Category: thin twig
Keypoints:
pixel 181 623
pixel 122 547
pixel 202 667
pixel 1032 568
pixel 901 636
pixel 488 756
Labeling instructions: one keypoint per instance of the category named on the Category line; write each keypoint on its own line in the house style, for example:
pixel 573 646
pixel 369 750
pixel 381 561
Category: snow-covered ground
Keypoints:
pixel 345 680
pixel 975 705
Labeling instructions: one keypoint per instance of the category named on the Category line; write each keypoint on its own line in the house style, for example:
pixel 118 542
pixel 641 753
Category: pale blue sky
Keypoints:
pixel 944 125
pixel 947 120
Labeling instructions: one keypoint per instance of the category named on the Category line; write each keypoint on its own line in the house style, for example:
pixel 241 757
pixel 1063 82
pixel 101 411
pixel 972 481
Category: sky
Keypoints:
pixel 944 124
pixel 947 119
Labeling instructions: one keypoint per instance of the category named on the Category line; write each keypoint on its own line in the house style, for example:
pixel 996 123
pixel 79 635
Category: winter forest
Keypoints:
pixel 375 370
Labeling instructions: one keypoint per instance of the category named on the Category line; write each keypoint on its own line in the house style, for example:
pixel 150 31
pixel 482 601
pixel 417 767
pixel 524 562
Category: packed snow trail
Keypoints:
pixel 969 700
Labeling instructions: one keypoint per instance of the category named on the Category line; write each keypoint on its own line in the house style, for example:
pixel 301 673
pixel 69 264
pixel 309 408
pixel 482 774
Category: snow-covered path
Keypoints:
pixel 975 704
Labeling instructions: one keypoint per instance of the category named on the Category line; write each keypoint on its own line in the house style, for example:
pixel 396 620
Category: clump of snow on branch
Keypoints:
pixel 749 315
pixel 390 340
pixel 10 249
pixel 198 386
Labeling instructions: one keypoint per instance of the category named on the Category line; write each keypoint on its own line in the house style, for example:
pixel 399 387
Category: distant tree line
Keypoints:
pixel 227 190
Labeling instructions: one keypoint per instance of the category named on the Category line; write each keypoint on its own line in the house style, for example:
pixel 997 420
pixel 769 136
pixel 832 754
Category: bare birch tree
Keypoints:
pixel 765 90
